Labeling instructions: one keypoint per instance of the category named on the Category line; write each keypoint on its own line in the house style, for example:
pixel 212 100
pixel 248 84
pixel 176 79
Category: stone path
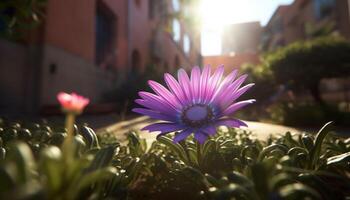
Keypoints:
pixel 261 130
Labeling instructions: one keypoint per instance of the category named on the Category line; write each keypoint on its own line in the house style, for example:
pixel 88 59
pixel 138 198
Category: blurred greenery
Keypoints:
pixel 231 165
pixel 302 65
pixel 298 68
pixel 19 15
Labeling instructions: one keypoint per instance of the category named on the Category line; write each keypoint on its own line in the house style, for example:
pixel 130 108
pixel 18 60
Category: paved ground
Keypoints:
pixel 261 130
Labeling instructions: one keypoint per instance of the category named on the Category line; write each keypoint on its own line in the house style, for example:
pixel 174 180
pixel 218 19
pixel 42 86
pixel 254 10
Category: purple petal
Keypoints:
pixel 242 90
pixel 229 78
pixel 227 81
pixel 157 100
pixel 227 99
pixel 204 82
pixel 223 87
pixel 184 82
pixel 236 106
pixel 195 81
pixel 182 135
pixel 163 127
pixel 230 91
pixel 163 92
pixel 175 88
pixel 210 130
pixel 237 83
pixel 154 115
pixel 201 137
pixel 214 82
pixel 154 106
pixel 231 123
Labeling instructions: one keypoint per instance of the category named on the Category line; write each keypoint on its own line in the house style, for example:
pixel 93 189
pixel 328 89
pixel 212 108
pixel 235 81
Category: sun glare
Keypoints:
pixel 216 14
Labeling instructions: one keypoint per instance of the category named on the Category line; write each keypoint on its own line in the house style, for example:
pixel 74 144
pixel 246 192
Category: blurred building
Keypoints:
pixel 240 44
pixel 231 61
pixel 305 19
pixel 241 38
pixel 91 47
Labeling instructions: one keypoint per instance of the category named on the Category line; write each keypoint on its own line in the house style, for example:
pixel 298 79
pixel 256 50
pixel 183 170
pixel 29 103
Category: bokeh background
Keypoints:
pixel 297 52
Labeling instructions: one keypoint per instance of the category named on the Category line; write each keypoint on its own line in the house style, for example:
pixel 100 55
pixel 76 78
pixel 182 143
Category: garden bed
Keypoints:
pixel 230 165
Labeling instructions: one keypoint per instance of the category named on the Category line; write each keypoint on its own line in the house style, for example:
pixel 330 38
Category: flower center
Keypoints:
pixel 197 115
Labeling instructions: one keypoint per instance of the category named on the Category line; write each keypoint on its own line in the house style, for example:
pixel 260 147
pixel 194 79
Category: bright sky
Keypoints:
pixel 217 13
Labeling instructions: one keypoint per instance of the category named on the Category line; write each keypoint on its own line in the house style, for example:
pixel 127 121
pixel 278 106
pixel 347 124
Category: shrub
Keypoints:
pixel 300 114
pixel 233 164
pixel 306 114
pixel 302 65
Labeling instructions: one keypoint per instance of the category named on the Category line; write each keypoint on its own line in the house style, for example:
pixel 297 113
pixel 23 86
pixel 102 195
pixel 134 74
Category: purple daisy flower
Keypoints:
pixel 194 105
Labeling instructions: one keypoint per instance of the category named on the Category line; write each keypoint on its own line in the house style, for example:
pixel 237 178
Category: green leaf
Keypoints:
pixel 270 148
pixel 93 177
pixel 102 158
pixel 233 191
pixel 176 148
pixel 6 181
pixel 208 147
pixel 315 152
pixel 192 156
pixel 23 162
pixel 320 184
pixel 134 171
pixel 87 135
pixel 2 153
pixel 295 150
pixel 136 145
pixel 251 151
pixel 281 180
pixel 240 179
pixel 52 166
pixel 288 137
pixel 195 176
pixel 212 180
pixel 298 191
pixel 260 176
pixel 339 159
pixel 307 142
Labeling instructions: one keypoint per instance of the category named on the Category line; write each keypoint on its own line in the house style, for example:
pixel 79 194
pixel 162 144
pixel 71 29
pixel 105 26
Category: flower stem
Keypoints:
pixel 199 153
pixel 68 146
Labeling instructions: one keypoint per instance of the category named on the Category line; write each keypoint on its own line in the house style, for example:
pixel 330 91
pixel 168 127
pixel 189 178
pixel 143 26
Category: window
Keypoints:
pixel 187 44
pixel 176 5
pixel 176 30
pixel 323 8
pixel 105 28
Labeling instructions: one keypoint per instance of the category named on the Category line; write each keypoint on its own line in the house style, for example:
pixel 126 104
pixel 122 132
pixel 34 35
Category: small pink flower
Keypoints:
pixel 72 102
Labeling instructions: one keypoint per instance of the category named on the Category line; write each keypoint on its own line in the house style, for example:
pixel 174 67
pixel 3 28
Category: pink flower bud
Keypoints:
pixel 72 102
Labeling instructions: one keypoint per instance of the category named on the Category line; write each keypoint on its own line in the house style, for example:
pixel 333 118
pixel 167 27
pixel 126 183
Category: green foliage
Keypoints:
pixel 231 165
pixel 32 165
pixel 306 114
pixel 19 15
pixel 264 89
pixel 265 84
pixel 298 67
pixel 303 64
